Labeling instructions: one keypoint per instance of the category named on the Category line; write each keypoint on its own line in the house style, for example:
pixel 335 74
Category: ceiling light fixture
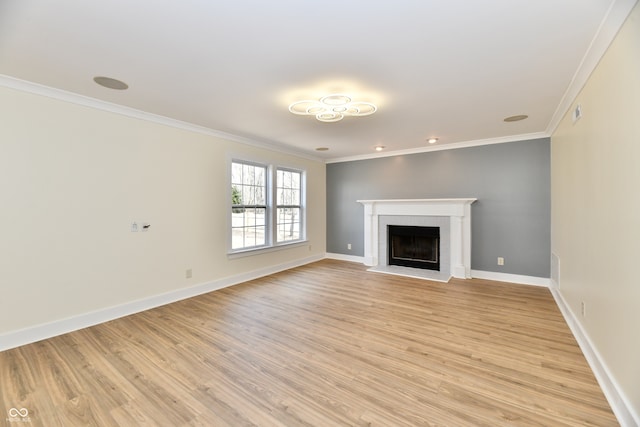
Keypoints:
pixel 110 83
pixel 379 147
pixel 333 108
pixel 322 149
pixel 432 140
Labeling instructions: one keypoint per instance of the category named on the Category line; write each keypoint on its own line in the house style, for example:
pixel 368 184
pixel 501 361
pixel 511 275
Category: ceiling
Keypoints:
pixel 448 69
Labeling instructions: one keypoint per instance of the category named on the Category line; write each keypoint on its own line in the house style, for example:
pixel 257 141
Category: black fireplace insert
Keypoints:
pixel 413 246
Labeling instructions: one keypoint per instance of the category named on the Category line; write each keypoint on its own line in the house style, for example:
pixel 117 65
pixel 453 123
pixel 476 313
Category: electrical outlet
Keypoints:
pixel 500 260
pixel 188 273
pixel 135 227
pixel 349 246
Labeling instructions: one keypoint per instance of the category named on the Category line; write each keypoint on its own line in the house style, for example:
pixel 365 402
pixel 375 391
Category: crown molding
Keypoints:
pixel 451 146
pixel 74 98
pixel 618 12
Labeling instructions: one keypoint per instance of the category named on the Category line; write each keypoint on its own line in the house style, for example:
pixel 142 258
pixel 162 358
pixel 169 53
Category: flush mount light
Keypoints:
pixel 379 147
pixel 332 108
pixel 432 140
pixel 110 83
pixel 516 118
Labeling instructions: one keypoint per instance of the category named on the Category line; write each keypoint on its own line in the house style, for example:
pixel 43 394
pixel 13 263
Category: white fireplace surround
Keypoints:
pixel 457 210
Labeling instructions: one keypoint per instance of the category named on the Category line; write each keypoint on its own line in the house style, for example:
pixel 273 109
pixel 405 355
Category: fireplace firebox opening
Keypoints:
pixel 412 246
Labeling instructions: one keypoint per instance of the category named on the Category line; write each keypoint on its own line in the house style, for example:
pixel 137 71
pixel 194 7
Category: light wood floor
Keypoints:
pixel 327 344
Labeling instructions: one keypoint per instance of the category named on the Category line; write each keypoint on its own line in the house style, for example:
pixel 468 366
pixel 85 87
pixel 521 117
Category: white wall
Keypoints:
pixel 596 210
pixel 72 178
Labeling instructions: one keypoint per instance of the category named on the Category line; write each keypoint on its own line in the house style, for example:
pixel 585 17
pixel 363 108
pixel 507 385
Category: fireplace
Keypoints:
pixel 452 216
pixel 413 246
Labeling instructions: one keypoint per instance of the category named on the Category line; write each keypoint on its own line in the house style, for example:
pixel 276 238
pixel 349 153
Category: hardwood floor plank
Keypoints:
pixel 326 344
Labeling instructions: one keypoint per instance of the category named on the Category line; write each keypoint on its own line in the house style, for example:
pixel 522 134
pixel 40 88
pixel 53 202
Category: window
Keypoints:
pixel 248 205
pixel 267 206
pixel 288 205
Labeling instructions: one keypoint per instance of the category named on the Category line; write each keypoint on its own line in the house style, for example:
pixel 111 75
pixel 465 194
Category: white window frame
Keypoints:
pixel 271 242
pixel 302 234
pixel 267 202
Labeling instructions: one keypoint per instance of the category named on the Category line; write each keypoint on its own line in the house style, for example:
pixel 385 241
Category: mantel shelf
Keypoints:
pixel 418 201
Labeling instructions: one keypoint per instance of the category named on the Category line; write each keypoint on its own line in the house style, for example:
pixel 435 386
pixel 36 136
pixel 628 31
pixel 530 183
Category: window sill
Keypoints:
pixel 257 251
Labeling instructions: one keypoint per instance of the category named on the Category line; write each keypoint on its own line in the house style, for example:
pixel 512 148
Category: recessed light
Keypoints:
pixel 516 118
pixel 110 83
pixel 379 147
pixel 432 140
pixel 322 149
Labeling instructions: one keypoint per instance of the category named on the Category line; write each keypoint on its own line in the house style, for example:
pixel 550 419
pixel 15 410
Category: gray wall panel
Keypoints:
pixel 510 219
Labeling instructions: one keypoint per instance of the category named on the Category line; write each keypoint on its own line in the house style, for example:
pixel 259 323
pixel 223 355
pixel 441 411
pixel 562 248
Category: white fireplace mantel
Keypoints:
pixel 458 211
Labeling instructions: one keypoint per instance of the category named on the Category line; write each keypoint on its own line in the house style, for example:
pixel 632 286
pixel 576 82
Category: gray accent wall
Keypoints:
pixel 510 219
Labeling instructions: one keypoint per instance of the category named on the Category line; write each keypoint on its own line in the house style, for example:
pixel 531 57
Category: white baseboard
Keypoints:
pixel 342 257
pixel 620 405
pixel 487 275
pixel 512 278
pixel 47 330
